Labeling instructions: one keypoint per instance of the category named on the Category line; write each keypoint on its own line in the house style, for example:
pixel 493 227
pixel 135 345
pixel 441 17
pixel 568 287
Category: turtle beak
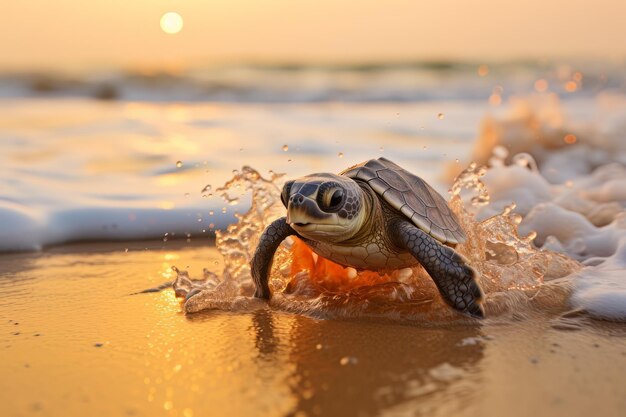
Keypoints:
pixel 303 210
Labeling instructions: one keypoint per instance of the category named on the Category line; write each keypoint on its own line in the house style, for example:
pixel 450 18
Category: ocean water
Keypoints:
pixel 123 156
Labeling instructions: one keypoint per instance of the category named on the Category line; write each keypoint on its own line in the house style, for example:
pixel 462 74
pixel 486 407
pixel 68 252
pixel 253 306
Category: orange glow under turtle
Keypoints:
pixel 329 275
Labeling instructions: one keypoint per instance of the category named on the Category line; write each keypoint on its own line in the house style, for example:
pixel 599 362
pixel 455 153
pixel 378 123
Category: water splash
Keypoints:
pixel 514 274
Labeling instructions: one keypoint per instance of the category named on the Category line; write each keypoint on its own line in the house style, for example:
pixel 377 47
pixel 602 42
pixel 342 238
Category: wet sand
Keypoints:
pixel 74 342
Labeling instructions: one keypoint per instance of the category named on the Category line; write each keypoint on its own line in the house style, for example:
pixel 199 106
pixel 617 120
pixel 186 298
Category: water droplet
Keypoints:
pixel 285 148
pixel 223 209
pixel 381 149
pixel 126 250
pixel 480 200
pixel 211 213
pixel 348 360
pixel 206 188
pixel 318 346
pixel 456 160
pixel 179 164
pixel 440 116
pixel 340 154
pixel 508 209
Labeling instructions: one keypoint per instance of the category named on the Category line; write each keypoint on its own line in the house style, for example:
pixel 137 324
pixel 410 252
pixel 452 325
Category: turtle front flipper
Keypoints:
pixel 455 279
pixel 261 264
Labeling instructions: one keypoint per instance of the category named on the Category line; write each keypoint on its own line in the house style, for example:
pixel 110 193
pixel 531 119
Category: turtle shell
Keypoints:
pixel 412 196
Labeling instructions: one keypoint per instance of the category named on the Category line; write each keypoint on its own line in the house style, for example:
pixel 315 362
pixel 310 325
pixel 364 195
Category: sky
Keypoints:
pixel 43 34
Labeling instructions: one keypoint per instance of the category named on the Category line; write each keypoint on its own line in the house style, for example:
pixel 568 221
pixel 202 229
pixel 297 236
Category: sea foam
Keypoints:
pixel 570 192
pixel 540 236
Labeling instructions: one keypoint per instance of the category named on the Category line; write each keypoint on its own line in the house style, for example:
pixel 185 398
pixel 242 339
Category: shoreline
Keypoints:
pixel 114 245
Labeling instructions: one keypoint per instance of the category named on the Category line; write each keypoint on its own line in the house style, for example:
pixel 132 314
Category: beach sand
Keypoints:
pixel 74 342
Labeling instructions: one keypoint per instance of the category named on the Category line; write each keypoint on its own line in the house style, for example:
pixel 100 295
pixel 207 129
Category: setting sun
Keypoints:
pixel 171 23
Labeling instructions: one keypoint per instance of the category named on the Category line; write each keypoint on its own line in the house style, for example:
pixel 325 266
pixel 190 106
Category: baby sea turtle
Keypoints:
pixel 375 216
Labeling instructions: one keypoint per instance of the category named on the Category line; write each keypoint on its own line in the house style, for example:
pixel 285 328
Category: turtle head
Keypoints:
pixel 324 207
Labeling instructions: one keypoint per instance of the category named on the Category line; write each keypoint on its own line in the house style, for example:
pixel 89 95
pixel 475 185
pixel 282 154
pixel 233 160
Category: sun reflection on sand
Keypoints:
pixel 133 355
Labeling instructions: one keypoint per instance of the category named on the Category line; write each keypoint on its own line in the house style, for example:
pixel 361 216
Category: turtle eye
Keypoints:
pixel 284 196
pixel 336 199
pixel 333 200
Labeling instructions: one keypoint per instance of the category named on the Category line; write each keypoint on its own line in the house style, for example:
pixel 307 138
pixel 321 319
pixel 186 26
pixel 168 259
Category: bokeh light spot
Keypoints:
pixel 570 139
pixel 541 86
pixel 571 86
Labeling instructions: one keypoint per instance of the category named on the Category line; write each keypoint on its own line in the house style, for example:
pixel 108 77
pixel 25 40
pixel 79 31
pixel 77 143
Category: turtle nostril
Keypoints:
pixel 297 199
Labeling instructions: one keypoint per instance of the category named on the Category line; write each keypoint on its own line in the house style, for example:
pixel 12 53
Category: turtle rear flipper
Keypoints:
pixel 261 264
pixel 456 281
